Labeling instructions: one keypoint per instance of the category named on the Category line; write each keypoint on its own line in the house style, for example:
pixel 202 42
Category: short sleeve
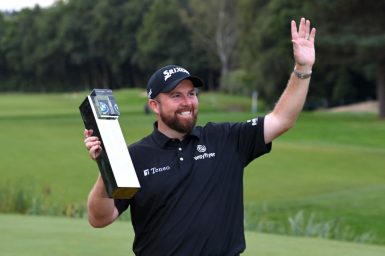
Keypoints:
pixel 250 138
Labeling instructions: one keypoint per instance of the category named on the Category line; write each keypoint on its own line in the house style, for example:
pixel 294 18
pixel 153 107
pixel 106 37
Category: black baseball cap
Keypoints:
pixel 167 78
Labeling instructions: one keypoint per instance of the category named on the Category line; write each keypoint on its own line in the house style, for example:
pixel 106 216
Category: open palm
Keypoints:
pixel 303 43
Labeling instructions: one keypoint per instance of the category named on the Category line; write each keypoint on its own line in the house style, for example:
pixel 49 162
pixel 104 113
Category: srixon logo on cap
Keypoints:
pixel 168 73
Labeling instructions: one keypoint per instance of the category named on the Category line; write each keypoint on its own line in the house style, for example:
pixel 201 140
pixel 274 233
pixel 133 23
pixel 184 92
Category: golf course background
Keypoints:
pixel 324 178
pixel 47 236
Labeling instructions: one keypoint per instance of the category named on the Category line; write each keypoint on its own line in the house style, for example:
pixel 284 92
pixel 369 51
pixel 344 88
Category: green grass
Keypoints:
pixel 330 165
pixel 40 236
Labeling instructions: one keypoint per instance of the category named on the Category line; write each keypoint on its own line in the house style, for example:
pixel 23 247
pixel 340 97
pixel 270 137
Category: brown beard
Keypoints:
pixel 174 123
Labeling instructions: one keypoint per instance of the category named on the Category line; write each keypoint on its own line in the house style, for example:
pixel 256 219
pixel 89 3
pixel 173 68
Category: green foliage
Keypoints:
pixel 26 199
pixel 309 226
pixel 261 219
pixel 266 49
pixel 201 21
pixel 162 38
pixel 350 48
pixel 238 82
pixel 236 46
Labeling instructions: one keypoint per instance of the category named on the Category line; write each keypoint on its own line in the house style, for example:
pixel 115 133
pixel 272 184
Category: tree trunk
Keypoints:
pixel 381 90
pixel 226 35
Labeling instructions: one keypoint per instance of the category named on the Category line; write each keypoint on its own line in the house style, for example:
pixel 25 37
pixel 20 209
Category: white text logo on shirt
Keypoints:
pixel 202 149
pixel 155 170
pixel 253 121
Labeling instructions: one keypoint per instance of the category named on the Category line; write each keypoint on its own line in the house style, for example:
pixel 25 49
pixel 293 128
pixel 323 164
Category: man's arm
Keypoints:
pixel 290 104
pixel 101 209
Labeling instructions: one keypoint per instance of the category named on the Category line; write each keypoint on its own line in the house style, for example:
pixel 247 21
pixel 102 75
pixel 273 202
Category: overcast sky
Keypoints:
pixel 9 5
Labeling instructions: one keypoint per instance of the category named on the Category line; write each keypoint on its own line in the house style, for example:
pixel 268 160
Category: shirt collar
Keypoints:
pixel 162 139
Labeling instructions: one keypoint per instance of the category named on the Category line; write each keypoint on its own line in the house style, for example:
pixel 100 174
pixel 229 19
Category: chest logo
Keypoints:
pixel 156 170
pixel 201 148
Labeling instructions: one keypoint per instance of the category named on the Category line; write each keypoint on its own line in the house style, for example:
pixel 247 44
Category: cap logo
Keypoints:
pixel 168 73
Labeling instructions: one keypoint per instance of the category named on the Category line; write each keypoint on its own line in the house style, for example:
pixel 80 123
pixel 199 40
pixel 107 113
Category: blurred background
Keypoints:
pixel 325 178
pixel 237 47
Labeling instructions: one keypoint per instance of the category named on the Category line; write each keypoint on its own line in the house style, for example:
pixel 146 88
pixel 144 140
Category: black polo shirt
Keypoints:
pixel 191 196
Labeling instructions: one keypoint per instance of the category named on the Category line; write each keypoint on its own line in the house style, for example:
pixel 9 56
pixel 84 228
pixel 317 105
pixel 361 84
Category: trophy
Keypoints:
pixel 100 113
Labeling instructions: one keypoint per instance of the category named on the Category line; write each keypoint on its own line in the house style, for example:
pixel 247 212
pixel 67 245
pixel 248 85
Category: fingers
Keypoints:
pixel 92 143
pixel 95 151
pixel 307 29
pixel 304 30
pixel 88 133
pixel 312 34
pixel 90 140
pixel 294 33
pixel 301 32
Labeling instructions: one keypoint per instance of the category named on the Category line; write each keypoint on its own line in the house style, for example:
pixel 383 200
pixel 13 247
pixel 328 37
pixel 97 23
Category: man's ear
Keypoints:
pixel 154 105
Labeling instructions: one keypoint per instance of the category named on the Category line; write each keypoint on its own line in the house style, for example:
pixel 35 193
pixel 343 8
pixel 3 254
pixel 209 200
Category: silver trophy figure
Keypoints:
pixel 100 113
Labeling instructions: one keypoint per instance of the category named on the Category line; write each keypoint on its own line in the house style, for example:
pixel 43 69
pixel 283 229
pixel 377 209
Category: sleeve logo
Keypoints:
pixel 253 121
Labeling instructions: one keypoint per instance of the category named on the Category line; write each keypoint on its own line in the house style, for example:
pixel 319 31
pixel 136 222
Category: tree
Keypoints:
pixel 133 17
pixel 113 37
pixel 3 64
pixel 265 45
pixel 17 42
pixel 214 27
pixel 98 38
pixel 353 35
pixel 349 45
pixel 161 38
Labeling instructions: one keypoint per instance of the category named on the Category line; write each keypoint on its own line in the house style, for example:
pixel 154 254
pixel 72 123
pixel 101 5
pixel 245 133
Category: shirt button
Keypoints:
pixel 181 158
pixel 180 149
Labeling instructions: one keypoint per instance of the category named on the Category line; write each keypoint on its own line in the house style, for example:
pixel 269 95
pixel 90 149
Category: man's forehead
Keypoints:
pixel 184 85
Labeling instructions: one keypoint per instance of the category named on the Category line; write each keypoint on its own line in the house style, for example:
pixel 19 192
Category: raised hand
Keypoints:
pixel 303 43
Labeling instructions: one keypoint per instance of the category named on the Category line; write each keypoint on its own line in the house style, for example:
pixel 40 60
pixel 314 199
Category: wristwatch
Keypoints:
pixel 301 75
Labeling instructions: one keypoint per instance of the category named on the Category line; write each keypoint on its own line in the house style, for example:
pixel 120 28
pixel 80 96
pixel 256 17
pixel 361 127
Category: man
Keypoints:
pixel 191 196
